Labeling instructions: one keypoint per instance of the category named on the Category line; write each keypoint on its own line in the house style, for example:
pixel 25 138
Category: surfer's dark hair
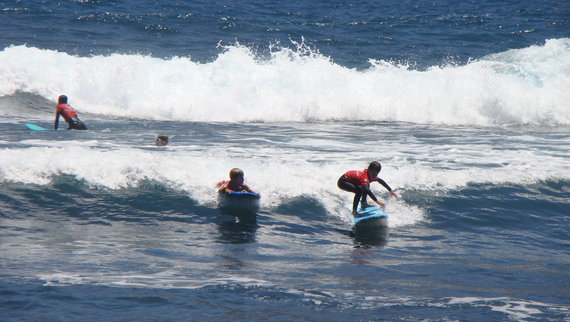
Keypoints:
pixel 163 138
pixel 236 172
pixel 374 165
pixel 62 99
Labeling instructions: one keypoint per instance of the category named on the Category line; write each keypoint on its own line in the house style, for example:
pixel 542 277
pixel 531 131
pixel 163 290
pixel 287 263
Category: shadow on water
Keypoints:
pixel 237 225
pixel 365 237
pixel 369 236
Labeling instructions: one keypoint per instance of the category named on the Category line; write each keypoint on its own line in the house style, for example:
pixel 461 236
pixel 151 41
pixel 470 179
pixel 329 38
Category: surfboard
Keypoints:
pixel 34 127
pixel 240 200
pixel 371 217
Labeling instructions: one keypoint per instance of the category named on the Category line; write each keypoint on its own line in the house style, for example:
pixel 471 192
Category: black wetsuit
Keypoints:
pixel 360 191
pixel 70 116
pixel 76 124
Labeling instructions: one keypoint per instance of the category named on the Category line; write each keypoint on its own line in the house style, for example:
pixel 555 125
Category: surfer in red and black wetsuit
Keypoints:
pixel 68 114
pixel 358 182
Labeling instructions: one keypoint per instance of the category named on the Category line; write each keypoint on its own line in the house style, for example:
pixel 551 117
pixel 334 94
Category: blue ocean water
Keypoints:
pixel 464 104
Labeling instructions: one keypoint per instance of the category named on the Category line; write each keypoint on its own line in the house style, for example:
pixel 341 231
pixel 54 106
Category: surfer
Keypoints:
pixel 161 140
pixel 235 183
pixel 68 114
pixel 358 182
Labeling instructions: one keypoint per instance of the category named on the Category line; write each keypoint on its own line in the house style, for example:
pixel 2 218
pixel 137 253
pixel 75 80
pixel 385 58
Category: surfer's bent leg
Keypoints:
pixel 76 124
pixel 347 186
pixel 364 195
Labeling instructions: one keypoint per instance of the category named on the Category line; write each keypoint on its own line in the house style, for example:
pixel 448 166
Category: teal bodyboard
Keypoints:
pixel 34 127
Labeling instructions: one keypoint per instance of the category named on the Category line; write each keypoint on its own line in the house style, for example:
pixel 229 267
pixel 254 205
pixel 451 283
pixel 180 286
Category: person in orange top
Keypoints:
pixel 68 114
pixel 358 182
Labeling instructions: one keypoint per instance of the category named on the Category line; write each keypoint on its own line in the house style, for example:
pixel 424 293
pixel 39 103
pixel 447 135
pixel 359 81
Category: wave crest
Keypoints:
pixel 519 86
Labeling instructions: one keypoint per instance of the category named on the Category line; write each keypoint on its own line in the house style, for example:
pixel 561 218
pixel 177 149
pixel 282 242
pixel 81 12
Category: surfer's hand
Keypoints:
pixel 393 194
pixel 381 204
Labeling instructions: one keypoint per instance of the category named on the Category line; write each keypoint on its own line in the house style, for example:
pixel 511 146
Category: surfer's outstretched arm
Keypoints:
pixel 383 183
pixel 56 122
pixel 369 192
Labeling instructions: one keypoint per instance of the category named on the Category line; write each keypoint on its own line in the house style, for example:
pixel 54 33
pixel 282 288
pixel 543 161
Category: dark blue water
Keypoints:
pixel 464 104
pixel 350 32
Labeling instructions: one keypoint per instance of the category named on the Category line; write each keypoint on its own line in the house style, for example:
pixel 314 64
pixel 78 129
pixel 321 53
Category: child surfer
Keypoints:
pixel 358 182
pixel 68 114
pixel 235 183
pixel 161 140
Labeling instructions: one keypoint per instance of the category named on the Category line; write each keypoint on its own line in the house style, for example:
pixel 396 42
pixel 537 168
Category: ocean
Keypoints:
pixel 465 105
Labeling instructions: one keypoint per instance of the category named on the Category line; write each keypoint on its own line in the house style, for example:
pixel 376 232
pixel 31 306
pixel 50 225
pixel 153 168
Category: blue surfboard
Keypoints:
pixel 34 127
pixel 239 199
pixel 371 217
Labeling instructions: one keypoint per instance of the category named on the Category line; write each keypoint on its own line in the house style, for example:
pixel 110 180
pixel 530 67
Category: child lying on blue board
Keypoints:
pixel 358 182
pixel 235 183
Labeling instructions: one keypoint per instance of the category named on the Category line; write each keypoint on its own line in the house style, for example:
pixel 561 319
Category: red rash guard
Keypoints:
pixel 357 178
pixel 66 111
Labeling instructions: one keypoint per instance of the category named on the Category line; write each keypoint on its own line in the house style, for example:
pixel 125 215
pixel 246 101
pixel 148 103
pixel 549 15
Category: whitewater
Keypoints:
pixel 465 105
pixel 516 87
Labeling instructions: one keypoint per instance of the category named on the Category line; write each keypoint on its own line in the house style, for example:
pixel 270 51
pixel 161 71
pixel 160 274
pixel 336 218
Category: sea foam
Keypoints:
pixel 280 177
pixel 518 86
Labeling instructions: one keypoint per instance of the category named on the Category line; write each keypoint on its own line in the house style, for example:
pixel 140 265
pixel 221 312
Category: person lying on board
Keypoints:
pixel 68 114
pixel 358 182
pixel 235 184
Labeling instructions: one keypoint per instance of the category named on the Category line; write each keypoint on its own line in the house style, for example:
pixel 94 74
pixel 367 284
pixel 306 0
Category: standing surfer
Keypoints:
pixel 358 182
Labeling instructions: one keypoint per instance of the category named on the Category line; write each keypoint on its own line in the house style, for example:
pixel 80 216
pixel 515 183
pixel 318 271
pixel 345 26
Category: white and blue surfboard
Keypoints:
pixel 239 200
pixel 372 217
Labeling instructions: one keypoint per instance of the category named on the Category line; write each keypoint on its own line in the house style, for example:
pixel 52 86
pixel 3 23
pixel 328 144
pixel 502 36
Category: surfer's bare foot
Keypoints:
pixel 355 214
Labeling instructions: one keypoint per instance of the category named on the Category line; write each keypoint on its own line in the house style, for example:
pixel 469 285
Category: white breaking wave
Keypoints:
pixel 519 86
pixel 127 167
pixel 279 176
